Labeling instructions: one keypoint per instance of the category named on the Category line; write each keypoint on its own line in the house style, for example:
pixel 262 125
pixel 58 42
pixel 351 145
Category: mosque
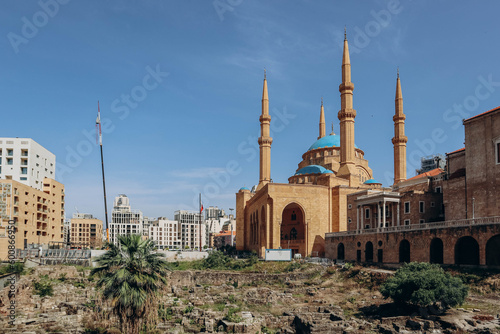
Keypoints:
pixel 297 215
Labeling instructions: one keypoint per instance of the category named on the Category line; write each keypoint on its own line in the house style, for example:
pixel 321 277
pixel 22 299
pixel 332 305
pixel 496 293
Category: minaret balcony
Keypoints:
pixel 346 86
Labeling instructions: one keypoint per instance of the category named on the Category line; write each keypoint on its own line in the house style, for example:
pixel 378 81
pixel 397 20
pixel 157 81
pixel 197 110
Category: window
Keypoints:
pixel 24 170
pixel 438 190
pixel 421 207
pixel 10 161
pixel 422 221
pixel 497 151
pixel 407 222
pixel 349 221
pixel 349 206
pixel 433 204
pixel 24 178
pixel 10 152
pixel 367 213
pixel 407 207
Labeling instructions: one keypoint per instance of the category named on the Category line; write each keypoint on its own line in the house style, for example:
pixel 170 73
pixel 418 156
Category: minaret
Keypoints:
pixel 265 140
pixel 346 116
pixel 399 141
pixel 322 126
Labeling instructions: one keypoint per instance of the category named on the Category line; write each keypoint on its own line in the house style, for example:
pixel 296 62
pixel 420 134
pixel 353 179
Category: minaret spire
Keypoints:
pixel 265 140
pixel 399 141
pixel 346 116
pixel 322 125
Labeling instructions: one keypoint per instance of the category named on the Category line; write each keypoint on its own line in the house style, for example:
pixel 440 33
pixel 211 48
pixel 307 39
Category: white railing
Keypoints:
pixel 416 227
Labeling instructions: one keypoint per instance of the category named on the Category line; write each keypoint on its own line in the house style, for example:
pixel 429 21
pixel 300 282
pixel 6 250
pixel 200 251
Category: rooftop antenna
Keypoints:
pixel 98 129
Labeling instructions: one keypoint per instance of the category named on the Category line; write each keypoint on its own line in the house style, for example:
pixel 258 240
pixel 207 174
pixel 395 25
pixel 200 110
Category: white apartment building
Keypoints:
pixel 165 234
pixel 190 229
pixel 124 221
pixel 26 161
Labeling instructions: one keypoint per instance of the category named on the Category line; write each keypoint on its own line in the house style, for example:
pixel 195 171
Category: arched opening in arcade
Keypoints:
pixel 369 252
pixel 436 251
pixel 340 252
pixel 293 233
pixel 404 251
pixel 467 251
pixel 493 251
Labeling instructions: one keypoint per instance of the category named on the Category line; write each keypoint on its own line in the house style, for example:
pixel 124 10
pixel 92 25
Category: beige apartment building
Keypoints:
pixel 38 215
pixel 86 231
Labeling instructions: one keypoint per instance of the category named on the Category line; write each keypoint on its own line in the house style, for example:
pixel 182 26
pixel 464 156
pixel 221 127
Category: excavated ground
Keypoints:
pixel 316 299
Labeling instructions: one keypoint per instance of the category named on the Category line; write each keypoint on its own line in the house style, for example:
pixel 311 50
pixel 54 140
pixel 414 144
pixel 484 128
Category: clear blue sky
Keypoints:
pixel 193 126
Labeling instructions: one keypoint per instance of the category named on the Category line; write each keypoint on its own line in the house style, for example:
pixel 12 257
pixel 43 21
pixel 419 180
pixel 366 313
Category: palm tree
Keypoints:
pixel 130 276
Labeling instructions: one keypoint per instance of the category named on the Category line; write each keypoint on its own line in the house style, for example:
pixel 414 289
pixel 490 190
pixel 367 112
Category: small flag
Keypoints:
pixel 98 126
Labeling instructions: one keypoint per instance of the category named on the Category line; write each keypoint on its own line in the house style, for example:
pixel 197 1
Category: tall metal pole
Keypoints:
pixel 201 210
pixel 98 124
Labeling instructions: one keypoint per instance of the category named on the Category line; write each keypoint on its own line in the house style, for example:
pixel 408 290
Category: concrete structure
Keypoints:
pixel 166 234
pixel 38 215
pixel 26 161
pixel 314 202
pixel 190 229
pixel 124 220
pixel 86 231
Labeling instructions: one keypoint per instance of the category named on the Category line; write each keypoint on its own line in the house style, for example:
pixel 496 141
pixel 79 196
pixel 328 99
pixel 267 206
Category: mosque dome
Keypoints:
pixel 372 181
pixel 244 188
pixel 331 140
pixel 313 169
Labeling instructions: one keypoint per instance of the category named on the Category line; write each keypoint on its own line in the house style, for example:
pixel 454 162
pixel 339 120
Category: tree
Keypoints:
pixel 130 276
pixel 424 284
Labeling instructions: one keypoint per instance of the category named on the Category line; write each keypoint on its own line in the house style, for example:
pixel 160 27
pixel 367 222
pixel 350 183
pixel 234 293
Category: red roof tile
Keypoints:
pixel 433 172
pixel 456 151
pixel 484 113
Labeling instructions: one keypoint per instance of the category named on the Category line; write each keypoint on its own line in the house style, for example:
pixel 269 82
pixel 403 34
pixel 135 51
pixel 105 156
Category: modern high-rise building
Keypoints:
pixel 26 161
pixel 124 220
pixel 37 215
pixel 86 231
pixel 190 229
pixel 165 233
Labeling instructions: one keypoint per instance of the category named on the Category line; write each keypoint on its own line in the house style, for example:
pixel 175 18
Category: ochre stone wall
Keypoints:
pixel 419 240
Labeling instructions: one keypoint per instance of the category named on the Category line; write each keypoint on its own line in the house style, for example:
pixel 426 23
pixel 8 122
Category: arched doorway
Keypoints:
pixel 467 251
pixel 493 251
pixel 404 251
pixel 369 252
pixel 340 252
pixel 436 251
pixel 293 229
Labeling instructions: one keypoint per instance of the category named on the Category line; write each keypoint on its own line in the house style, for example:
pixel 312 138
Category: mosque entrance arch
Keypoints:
pixel 293 233
pixel 467 251
pixel 493 251
pixel 436 251
pixel 404 251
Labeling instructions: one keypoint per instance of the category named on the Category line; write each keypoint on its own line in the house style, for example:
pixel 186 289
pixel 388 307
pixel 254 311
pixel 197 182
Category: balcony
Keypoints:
pixel 426 226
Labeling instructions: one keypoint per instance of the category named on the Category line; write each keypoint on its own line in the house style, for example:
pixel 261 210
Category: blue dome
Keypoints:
pixel 327 141
pixel 313 169
pixel 244 188
pixel 372 181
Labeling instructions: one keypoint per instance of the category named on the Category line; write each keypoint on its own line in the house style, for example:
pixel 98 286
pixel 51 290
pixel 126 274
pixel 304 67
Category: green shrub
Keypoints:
pixel 232 316
pixel 424 284
pixel 188 309
pixel 16 268
pixel 43 287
